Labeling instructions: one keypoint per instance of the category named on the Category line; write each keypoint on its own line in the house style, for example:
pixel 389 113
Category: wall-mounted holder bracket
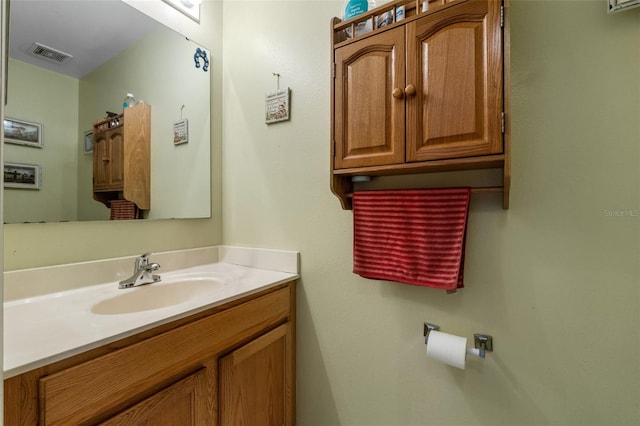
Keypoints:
pixel 427 329
pixel 483 342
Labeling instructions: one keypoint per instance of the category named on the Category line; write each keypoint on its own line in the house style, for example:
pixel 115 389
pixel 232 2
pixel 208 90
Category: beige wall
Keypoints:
pixel 555 279
pixel 51 99
pixel 33 245
pixel 179 174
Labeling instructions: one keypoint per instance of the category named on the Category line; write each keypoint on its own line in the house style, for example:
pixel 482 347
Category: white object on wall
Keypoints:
pixel 449 349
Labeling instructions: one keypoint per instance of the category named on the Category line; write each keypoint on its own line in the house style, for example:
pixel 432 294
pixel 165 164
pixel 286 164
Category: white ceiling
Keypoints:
pixel 92 31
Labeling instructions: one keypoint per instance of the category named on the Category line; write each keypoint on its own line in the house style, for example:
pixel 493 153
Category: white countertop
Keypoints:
pixel 47 328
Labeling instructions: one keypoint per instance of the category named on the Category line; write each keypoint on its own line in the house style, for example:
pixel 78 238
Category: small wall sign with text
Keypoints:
pixel 277 106
pixel 181 132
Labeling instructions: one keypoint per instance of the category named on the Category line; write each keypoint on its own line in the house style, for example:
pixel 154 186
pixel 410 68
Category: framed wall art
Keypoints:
pixel 180 132
pixel 88 142
pixel 22 175
pixel 22 132
pixel 277 106
pixel 191 8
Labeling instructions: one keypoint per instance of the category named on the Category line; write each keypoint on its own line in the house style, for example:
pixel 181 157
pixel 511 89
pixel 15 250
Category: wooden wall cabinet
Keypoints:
pixel 122 157
pixel 421 95
pixel 231 365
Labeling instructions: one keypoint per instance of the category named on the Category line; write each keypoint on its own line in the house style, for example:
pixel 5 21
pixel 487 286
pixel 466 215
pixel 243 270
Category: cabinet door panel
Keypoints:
pixel 256 382
pixel 369 124
pixel 116 144
pixel 100 162
pixel 107 160
pixel 183 403
pixel 455 63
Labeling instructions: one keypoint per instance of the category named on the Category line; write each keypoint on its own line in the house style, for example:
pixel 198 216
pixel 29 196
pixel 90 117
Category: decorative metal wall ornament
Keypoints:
pixel 196 58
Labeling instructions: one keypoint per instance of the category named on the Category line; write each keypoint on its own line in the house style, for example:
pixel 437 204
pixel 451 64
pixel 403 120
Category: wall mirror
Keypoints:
pixel 70 62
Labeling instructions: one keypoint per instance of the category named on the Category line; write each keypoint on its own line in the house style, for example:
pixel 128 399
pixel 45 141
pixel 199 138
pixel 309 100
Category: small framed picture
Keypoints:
pixel 181 132
pixel 22 132
pixel 88 142
pixel 22 175
pixel 277 106
pixel 191 8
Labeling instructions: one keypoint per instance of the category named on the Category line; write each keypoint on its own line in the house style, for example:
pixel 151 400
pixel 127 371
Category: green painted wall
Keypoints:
pixel 51 99
pixel 555 279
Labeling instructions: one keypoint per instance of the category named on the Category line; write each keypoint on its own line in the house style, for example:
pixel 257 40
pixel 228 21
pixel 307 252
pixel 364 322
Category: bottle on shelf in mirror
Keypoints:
pixel 129 101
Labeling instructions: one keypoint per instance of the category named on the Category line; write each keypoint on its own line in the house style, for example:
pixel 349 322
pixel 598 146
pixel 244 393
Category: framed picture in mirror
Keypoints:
pixel 21 175
pixel 180 132
pixel 191 8
pixel 22 132
pixel 88 142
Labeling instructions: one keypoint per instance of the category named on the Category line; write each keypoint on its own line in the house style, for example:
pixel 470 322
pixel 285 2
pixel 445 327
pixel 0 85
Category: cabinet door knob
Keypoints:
pixel 410 90
pixel 397 93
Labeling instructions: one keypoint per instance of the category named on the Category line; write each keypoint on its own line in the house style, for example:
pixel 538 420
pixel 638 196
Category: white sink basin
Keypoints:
pixel 157 295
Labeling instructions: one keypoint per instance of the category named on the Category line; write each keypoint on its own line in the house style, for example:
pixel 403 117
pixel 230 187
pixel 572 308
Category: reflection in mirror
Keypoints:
pixel 115 50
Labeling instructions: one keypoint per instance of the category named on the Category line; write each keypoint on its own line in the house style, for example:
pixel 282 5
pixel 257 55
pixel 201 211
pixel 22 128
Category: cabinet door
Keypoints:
pixel 100 161
pixel 369 120
pixel 116 147
pixel 108 160
pixel 183 403
pixel 454 61
pixel 256 381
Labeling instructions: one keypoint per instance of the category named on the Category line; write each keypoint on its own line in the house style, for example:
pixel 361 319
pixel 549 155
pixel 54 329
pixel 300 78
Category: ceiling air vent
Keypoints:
pixel 50 53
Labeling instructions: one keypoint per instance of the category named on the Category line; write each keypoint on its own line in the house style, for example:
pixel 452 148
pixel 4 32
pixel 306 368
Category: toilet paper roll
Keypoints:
pixel 447 348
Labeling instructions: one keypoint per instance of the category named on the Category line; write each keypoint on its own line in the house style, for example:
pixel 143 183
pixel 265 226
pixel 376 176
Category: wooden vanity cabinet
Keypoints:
pixel 420 95
pixel 230 365
pixel 122 157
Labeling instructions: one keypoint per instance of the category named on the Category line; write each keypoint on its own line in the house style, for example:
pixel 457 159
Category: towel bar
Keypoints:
pixel 487 189
pixel 476 190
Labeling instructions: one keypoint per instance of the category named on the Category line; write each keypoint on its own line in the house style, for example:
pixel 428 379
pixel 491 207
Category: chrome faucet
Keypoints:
pixel 142 273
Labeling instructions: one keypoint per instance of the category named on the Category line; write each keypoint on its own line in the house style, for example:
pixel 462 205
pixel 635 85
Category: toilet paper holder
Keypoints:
pixel 483 342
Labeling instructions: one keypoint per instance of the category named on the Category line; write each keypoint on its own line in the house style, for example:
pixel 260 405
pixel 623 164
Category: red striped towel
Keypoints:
pixel 124 210
pixel 412 236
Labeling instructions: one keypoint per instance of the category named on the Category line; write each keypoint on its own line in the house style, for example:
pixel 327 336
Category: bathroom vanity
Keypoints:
pixel 228 362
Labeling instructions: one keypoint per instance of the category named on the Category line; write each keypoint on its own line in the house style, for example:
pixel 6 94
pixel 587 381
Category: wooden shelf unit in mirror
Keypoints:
pixel 122 157
pixel 428 93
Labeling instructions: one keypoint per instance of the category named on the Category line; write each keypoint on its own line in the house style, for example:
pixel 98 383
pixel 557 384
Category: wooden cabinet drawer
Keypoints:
pixel 100 388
